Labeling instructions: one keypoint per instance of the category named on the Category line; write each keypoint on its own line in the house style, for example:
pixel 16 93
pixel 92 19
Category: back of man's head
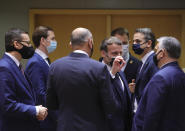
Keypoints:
pixel 148 35
pixel 80 36
pixel 14 34
pixel 120 31
pixel 171 45
pixel 39 32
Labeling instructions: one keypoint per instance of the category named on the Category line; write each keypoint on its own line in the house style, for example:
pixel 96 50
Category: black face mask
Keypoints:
pixel 92 49
pixel 111 62
pixel 26 52
pixel 156 61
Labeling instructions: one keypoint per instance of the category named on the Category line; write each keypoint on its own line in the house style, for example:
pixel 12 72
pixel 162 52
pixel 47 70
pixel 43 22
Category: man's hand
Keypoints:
pixel 132 86
pixel 43 112
pixel 117 65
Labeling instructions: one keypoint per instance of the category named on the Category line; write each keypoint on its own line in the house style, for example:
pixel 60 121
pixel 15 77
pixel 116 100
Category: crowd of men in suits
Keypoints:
pixel 76 93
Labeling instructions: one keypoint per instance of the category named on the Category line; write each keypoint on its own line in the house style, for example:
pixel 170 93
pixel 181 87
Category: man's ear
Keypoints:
pixel 90 43
pixel 42 39
pixel 103 53
pixel 149 43
pixel 17 45
pixel 70 44
pixel 165 53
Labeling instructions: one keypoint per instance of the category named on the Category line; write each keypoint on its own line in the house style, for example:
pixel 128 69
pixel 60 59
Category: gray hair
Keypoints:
pixel 80 36
pixel 148 34
pixel 171 45
pixel 110 41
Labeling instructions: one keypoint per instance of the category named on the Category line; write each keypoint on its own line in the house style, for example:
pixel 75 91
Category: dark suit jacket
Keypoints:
pixel 38 70
pixel 19 112
pixel 162 105
pixel 146 73
pixel 122 119
pixel 131 68
pixel 79 87
pixel 2 99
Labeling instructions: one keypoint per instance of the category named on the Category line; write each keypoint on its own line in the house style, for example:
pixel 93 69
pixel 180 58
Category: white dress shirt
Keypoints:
pixel 80 51
pixel 42 54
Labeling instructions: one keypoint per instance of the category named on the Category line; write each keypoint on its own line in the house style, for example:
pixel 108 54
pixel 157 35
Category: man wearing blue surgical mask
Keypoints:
pixel 38 67
pixel 143 45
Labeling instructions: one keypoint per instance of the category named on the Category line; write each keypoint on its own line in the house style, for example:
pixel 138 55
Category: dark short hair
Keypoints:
pixel 39 32
pixel 109 41
pixel 120 31
pixel 148 35
pixel 171 45
pixel 14 34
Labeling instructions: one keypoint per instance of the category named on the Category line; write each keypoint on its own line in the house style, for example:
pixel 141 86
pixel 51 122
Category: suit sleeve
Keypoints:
pixel 13 107
pixel 154 96
pixel 51 95
pixel 108 99
pixel 37 78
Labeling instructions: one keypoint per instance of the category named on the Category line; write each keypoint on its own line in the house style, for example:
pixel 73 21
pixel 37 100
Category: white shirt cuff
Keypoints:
pixel 113 76
pixel 37 110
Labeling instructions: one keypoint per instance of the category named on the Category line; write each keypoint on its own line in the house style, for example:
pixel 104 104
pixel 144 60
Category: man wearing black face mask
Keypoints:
pixel 162 105
pixel 143 45
pixel 112 52
pixel 19 110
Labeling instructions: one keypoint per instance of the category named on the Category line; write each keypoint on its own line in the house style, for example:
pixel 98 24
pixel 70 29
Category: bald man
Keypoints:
pixel 79 87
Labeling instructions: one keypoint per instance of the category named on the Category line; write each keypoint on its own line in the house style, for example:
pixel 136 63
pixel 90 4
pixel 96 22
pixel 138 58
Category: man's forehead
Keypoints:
pixel 139 36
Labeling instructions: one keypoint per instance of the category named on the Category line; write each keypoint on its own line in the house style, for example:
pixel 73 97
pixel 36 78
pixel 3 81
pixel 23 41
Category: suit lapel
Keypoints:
pixel 143 68
pixel 125 83
pixel 43 63
pixel 19 74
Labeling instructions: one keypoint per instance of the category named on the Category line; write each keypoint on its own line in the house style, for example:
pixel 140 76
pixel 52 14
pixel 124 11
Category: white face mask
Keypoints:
pixel 125 51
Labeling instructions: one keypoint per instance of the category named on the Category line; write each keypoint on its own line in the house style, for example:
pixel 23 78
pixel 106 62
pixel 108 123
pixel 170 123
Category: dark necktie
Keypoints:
pixel 21 69
pixel 48 60
pixel 118 81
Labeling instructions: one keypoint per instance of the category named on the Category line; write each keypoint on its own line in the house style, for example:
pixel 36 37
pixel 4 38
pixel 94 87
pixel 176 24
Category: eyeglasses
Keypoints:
pixel 27 42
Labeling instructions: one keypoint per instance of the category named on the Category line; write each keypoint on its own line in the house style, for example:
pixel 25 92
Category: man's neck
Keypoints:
pixel 43 49
pixel 16 55
pixel 166 61
pixel 145 52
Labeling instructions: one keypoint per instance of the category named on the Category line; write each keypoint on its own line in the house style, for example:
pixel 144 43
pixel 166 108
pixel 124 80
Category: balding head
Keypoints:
pixel 80 36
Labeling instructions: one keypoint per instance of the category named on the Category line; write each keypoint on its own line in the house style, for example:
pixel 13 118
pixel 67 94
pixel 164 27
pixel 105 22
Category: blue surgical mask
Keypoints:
pixel 137 48
pixel 52 47
pixel 125 51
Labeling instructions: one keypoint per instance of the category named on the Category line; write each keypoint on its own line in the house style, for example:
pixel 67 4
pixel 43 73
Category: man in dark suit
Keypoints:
pixel 20 112
pixel 38 67
pixel 132 64
pixel 2 99
pixel 144 43
pixel 121 120
pixel 162 105
pixel 80 88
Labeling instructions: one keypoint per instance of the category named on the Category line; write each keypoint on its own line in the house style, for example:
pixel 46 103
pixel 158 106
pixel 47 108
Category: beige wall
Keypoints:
pixel 15 13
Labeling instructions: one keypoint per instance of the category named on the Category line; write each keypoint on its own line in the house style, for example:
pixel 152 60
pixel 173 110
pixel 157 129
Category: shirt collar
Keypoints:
pixel 13 58
pixel 41 53
pixel 108 67
pixel 146 56
pixel 80 51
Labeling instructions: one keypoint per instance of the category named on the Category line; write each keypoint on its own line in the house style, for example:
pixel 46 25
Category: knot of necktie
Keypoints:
pixel 48 60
